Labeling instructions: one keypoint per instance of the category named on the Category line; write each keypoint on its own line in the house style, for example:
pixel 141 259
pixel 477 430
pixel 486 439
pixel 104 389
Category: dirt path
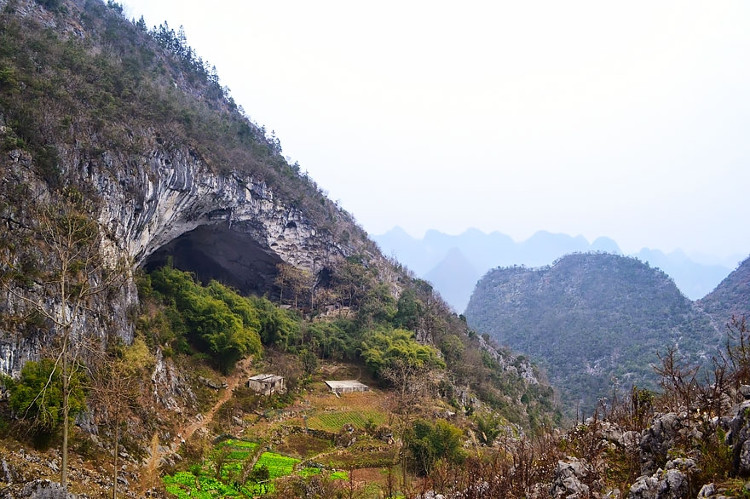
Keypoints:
pixel 238 375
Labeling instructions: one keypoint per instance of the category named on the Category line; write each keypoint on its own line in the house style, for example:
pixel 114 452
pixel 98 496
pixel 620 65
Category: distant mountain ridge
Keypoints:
pixel 598 320
pixel 434 257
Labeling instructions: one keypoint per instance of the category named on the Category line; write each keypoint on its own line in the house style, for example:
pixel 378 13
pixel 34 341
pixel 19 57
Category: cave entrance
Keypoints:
pixel 218 252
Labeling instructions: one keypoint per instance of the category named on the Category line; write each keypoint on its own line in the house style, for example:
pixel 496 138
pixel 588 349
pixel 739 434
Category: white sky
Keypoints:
pixel 622 119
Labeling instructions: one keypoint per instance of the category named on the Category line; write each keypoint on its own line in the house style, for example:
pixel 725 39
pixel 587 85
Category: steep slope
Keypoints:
pixel 126 131
pixel 166 163
pixel 593 320
pixel 730 298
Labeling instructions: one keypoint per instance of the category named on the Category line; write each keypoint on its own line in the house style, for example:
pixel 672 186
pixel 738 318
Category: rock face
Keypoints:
pixel 173 193
pixel 671 484
pixel 168 204
pixel 45 489
pixel 738 437
pixel 226 225
pixel 570 478
pixel 211 193
pixel 661 436
pixel 676 432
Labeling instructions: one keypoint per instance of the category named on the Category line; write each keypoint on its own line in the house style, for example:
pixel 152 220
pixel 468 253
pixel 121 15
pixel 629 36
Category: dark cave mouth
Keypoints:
pixel 217 252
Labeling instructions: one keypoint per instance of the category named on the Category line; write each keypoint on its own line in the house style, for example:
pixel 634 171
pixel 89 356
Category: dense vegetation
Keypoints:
pixel 595 321
pixel 101 90
pixel 213 318
pixel 731 298
pixel 182 316
pixel 86 100
pixel 43 414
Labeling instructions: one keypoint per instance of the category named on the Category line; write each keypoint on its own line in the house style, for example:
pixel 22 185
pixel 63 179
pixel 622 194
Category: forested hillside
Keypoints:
pixel 731 298
pixel 155 241
pixel 596 322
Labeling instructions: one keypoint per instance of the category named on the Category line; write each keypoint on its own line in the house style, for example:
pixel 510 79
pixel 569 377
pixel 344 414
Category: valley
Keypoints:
pixel 158 251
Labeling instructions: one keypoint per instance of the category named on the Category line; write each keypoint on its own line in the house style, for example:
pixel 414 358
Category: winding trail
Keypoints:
pixel 233 380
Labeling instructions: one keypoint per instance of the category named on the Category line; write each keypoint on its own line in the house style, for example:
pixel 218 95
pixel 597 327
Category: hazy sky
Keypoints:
pixel 625 119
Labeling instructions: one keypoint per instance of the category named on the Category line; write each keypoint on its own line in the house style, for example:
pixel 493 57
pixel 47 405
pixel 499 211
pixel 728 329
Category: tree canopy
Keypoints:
pixel 37 395
pixel 215 319
pixel 381 349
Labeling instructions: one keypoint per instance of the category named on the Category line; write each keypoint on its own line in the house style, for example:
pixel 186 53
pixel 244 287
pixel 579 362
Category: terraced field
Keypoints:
pixel 335 421
pixel 276 446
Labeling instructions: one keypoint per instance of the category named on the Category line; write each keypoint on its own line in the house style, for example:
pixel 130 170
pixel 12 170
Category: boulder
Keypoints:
pixel 45 489
pixel 673 485
pixel 738 437
pixel 645 487
pixel 569 479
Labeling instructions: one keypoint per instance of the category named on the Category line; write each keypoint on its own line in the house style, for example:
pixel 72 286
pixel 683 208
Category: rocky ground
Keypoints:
pixel 678 453
pixel 33 474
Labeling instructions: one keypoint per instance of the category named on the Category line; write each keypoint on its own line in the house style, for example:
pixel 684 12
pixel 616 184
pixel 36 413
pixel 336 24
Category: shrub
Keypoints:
pixel 429 442
pixel 37 395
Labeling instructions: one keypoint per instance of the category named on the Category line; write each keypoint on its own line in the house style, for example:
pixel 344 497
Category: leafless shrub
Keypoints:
pixel 679 382
pixel 738 350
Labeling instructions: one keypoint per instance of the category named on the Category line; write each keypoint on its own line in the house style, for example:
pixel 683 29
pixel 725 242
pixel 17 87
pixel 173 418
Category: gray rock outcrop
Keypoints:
pixel 570 478
pixel 165 200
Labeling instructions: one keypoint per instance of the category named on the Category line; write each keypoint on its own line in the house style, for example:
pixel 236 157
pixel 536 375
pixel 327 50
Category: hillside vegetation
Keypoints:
pixel 89 103
pixel 124 375
pixel 454 263
pixel 83 89
pixel 596 322
pixel 731 298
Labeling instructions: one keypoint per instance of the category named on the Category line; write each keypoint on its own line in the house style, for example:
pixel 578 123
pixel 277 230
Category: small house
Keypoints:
pixel 267 384
pixel 347 386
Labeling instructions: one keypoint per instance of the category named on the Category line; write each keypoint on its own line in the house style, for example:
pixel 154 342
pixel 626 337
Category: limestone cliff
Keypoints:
pixel 124 126
pixel 175 170
pixel 228 226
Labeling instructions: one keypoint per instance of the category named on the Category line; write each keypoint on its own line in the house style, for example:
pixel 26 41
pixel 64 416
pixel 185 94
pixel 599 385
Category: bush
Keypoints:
pixel 381 349
pixel 215 318
pixel 427 443
pixel 37 396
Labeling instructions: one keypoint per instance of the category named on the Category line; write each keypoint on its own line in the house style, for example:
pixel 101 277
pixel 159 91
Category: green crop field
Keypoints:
pixel 201 481
pixel 334 421
pixel 184 484
pixel 277 464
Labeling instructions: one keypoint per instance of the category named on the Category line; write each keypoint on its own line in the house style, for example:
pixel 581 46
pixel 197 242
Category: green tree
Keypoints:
pixel 382 348
pixel 429 442
pixel 278 327
pixel 38 395
pixel 376 306
pixel 75 273
pixel 410 310
pixel 215 318
pixel 452 348
pixel 309 361
pixel 488 427
pixel 403 363
pixel 336 340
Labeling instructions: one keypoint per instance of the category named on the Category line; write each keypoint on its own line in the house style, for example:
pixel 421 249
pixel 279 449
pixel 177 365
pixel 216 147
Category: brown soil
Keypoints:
pixel 238 376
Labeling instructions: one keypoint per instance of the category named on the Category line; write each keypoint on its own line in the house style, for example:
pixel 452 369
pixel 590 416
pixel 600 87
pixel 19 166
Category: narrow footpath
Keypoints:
pixel 233 380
